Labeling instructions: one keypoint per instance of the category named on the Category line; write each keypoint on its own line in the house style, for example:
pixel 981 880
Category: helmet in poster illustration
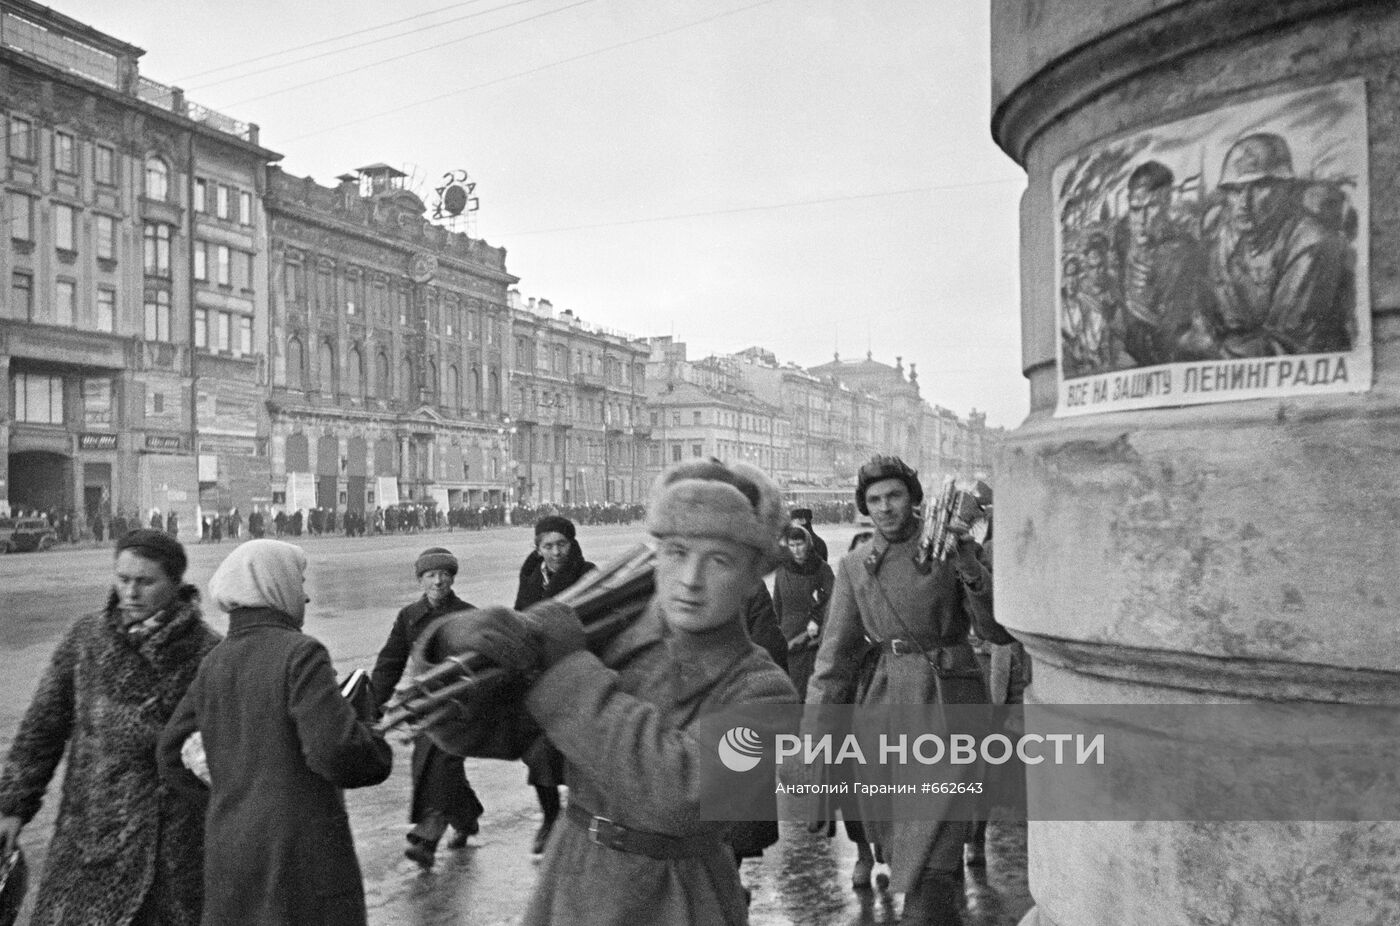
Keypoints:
pixel 1260 156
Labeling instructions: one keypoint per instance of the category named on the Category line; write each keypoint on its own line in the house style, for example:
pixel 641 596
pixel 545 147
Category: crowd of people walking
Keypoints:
pixel 204 777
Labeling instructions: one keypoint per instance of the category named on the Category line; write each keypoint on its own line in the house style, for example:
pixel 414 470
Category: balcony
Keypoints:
pixel 588 380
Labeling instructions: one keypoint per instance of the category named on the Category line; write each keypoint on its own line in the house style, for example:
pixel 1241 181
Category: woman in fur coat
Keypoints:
pixel 125 849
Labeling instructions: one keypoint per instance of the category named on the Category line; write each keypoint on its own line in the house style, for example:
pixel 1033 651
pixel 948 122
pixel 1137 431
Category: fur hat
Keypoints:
pixel 555 524
pixel 887 467
pixel 734 501
pixel 435 558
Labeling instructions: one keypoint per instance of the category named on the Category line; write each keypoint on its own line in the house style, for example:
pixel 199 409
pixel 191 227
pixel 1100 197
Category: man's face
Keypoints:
pixel 1145 210
pixel 797 545
pixel 142 587
pixel 890 506
pixel 436 583
pixel 702 582
pixel 1253 204
pixel 554 549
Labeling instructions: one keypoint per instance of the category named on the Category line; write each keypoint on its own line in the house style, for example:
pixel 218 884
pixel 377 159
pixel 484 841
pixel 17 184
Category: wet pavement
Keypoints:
pixel 356 586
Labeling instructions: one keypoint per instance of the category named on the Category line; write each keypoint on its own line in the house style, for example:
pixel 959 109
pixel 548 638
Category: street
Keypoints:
pixel 356 585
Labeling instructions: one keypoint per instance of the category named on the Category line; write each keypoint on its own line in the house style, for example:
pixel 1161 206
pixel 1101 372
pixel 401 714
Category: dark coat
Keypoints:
pixel 121 837
pixel 439 779
pixel 281 744
pixel 800 596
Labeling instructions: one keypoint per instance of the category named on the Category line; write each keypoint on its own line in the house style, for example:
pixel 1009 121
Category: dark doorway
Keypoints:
pixel 40 480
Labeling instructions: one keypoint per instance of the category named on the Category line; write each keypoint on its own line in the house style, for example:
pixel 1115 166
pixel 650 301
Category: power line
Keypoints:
pixel 325 41
pixel 375 64
pixel 535 70
pixel 766 208
pixel 338 51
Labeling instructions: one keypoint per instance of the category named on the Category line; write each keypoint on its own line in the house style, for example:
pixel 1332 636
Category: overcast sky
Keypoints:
pixel 805 175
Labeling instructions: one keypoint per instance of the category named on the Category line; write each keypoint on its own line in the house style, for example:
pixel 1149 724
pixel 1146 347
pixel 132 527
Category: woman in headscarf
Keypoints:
pixel 280 744
pixel 124 850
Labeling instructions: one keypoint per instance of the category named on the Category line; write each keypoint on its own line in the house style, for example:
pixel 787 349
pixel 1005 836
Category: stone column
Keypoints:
pixel 1188 547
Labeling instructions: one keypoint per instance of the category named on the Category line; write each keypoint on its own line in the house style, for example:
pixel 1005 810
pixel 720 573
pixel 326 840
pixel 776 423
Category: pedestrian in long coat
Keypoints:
pixel 919 616
pixel 125 849
pixel 636 848
pixel 280 743
pixel 441 793
pixel 555 564
pixel 801 591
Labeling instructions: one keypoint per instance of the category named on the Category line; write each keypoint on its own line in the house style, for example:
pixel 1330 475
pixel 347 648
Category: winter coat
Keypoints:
pixel 121 838
pixel 439 779
pixel 621 719
pixel 544 762
pixel 281 743
pixel 881 593
pixel 800 596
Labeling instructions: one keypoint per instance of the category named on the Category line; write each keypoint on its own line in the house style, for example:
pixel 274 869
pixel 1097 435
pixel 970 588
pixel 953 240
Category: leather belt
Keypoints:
pixel 637 842
pixel 910 648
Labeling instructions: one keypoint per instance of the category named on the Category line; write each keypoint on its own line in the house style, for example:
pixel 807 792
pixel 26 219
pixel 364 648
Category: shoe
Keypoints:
pixel 860 874
pixel 459 838
pixel 420 852
pixel 974 856
pixel 882 882
pixel 542 837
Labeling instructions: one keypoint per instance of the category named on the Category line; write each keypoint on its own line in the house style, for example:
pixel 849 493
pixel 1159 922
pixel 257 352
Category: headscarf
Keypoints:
pixel 262 574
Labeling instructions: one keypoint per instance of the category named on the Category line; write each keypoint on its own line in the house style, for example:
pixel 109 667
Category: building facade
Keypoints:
pixel 390 339
pixel 577 400
pixel 108 370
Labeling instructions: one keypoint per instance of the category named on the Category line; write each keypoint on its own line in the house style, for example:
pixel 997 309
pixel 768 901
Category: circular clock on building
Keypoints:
pixel 421 267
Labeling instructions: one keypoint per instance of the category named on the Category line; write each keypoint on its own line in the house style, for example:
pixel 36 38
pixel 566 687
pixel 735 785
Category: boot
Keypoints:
pixel 421 851
pixel 934 902
pixel 865 864
pixel 549 803
pixel 975 851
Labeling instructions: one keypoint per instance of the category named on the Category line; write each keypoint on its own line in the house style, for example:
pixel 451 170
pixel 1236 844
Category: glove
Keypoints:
pixel 555 631
pixel 497 633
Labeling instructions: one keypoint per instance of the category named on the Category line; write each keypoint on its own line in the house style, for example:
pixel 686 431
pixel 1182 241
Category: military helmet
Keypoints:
pixel 1261 156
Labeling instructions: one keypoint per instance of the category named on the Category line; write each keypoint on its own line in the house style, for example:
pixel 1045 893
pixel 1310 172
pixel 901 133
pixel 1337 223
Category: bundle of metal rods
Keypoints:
pixel 606 600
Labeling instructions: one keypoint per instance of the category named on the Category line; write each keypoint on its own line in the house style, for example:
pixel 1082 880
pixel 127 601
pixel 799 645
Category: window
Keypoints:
pixel 157 320
pixel 221 201
pixel 245 208
pixel 21 209
pixel 244 332
pixel 37 398
pixel 675 453
pixel 242 270
pixel 104 165
pixel 21 145
pixel 65 227
pixel 97 402
pixel 201 195
pixel 222 269
pixel 201 261
pixel 65 305
pixel 65 155
pixel 201 328
pixel 106 309
pixel 697 417
pixel 21 296
pixel 224 339
pixel 106 237
pixel 157 179
pixel 156 237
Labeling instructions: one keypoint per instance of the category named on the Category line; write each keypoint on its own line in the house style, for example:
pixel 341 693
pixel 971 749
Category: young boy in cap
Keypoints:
pixel 441 792
pixel 636 848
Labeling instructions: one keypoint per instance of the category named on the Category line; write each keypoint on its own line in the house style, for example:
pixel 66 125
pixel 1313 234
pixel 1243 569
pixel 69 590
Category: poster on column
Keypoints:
pixel 1217 258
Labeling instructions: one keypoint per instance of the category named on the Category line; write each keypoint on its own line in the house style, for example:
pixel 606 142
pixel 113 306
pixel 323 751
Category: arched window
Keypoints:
pixel 325 362
pixel 354 373
pixel 406 384
pixel 454 387
pixel 494 392
pixel 433 381
pixel 157 179
pixel 474 393
pixel 295 364
pixel 381 377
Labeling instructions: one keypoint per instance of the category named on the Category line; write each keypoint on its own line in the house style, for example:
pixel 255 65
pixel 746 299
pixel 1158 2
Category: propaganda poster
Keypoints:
pixel 1217 258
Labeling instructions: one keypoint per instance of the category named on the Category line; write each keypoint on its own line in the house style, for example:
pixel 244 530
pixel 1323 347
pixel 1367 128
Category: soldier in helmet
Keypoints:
pixel 1283 280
